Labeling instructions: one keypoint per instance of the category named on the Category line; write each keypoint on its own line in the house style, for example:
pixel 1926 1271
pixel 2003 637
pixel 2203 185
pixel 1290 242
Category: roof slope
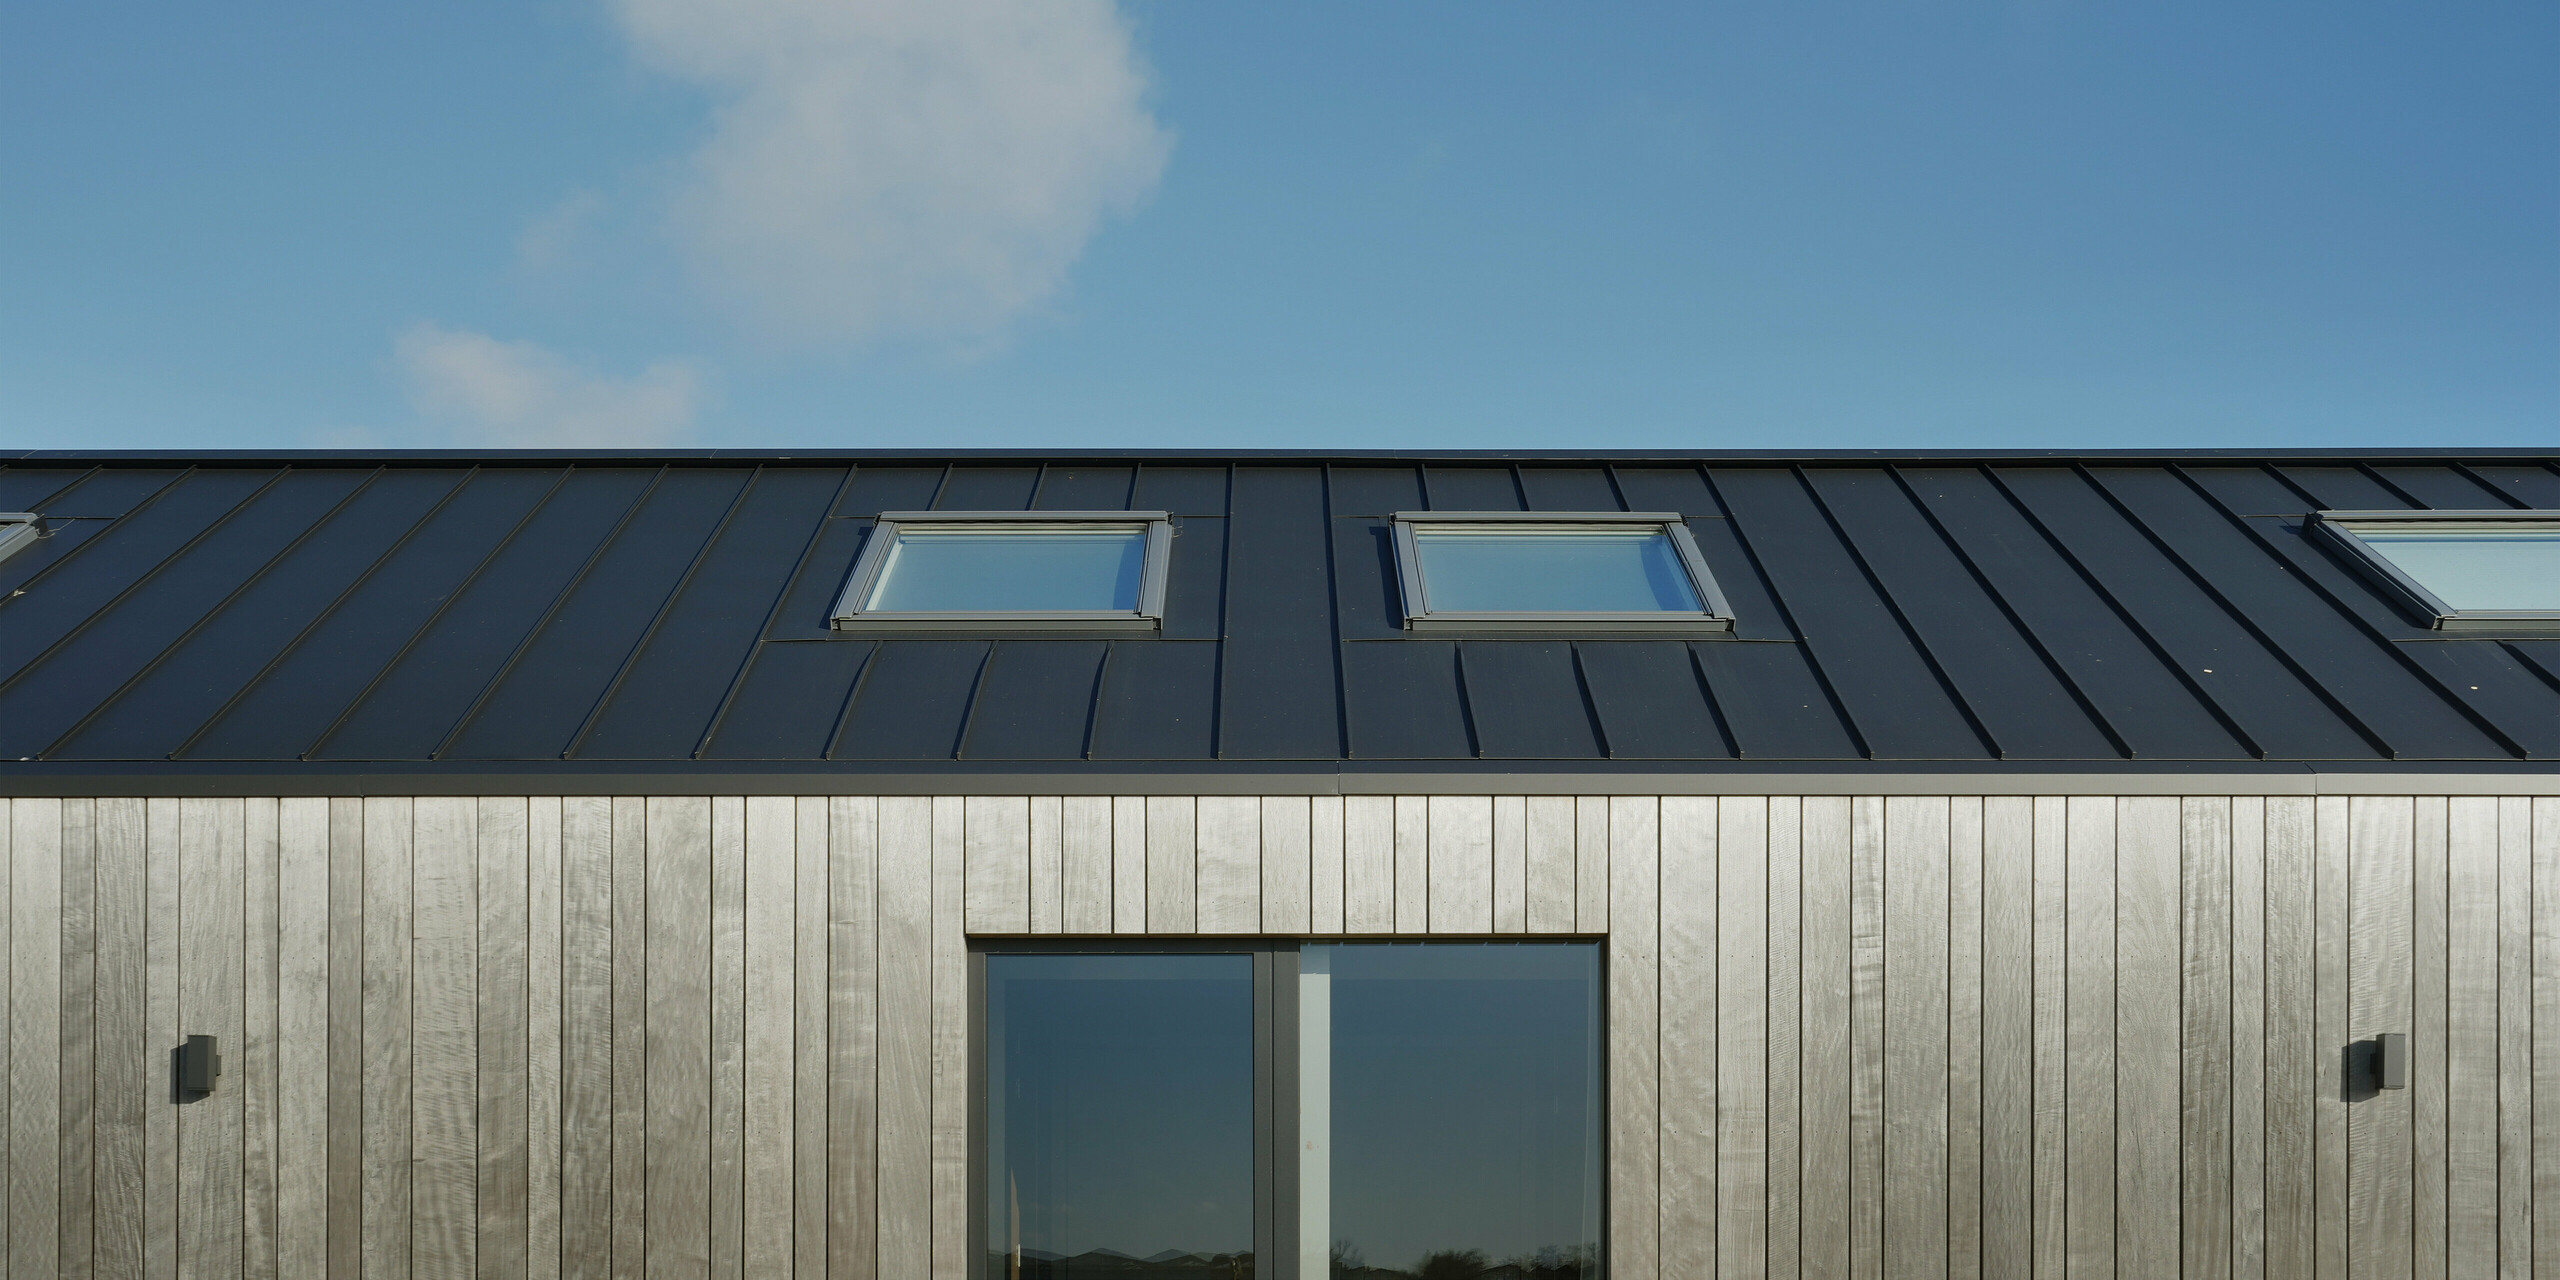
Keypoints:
pixel 2038 608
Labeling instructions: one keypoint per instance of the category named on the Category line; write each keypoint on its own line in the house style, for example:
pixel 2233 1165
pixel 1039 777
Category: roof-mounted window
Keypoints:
pixel 2458 570
pixel 1548 571
pixel 1009 570
pixel 17 529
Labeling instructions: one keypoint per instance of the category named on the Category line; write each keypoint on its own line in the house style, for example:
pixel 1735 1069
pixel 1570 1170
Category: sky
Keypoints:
pixel 1060 224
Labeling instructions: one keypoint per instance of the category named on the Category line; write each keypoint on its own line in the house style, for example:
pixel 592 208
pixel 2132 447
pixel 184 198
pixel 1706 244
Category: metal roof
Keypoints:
pixel 497 610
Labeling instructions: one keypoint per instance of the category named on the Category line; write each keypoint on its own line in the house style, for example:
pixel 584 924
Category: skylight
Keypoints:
pixel 17 529
pixel 1545 571
pixel 977 570
pixel 2458 570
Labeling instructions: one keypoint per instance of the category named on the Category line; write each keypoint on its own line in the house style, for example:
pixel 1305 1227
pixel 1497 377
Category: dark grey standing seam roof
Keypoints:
pixel 425 610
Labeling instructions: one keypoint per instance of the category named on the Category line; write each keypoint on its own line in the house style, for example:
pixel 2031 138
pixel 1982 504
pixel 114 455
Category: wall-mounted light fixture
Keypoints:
pixel 198 1065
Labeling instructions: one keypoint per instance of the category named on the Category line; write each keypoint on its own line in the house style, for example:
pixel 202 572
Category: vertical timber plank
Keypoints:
pixel 302 1038
pixel 904 1168
pixel 996 840
pixel 1635 1237
pixel 2515 1037
pixel 543 1078
pixel 1413 864
pixel 2295 1060
pixel 34 1045
pixel 2089 1022
pixel 769 938
pixel 164 832
pixel 1592 886
pixel 1686 1010
pixel 810 1029
pixel 1868 1188
pixel 875 1228
pixel 348 822
pixel 2050 817
pixel 212 857
pixel 1085 851
pixel 2148 1036
pixel 678 1043
pixel 2248 927
pixel 1459 835
pixel 1129 864
pixel 1510 865
pixel 2008 1036
pixel 729 1133
pixel 444 984
pixel 2378 981
pixel 2427 1065
pixel 79 1036
pixel 1915 1056
pixel 1173 870
pixel 1368 864
pixel 1824 1087
pixel 1048 865
pixel 586 1036
pixel 1549 855
pixel 1230 864
pixel 950 1084
pixel 1285 867
pixel 505 1016
pixel 386 1118
pixel 1325 867
pixel 123 1044
pixel 1785 992
pixel 1964 1037
pixel 632 1226
pixel 1742 1041
pixel 2546 1035
pixel 2471 1036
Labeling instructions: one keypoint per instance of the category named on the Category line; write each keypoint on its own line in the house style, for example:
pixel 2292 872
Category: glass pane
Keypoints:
pixel 1450 1102
pixel 1119 1124
pixel 2489 567
pixel 1632 570
pixel 999 571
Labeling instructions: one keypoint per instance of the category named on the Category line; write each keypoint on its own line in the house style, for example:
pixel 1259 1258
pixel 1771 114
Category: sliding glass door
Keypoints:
pixel 1340 1111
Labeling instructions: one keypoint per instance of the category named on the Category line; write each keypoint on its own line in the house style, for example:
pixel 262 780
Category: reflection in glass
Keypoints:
pixel 2488 567
pixel 1601 570
pixel 1119 1117
pixel 1004 571
pixel 1449 1108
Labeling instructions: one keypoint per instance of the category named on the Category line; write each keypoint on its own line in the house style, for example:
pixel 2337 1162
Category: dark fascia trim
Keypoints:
pixel 1508 777
pixel 1221 457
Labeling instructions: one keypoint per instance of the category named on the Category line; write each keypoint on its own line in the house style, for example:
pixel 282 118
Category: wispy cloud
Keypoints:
pixel 901 167
pixel 520 395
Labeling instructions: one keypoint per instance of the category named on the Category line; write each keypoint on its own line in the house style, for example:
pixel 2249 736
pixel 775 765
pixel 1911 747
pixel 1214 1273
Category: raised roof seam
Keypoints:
pixel 764 627
pixel 666 605
pixel 1777 600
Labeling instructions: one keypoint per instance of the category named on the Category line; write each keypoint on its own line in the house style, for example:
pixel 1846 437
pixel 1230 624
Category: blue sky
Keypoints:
pixel 1169 223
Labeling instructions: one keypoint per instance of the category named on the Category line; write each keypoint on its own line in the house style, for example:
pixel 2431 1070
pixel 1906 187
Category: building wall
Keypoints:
pixel 1912 1035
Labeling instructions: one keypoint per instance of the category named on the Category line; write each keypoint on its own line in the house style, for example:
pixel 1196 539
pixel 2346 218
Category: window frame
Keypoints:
pixel 1414 595
pixel 17 529
pixel 2338 530
pixel 849 615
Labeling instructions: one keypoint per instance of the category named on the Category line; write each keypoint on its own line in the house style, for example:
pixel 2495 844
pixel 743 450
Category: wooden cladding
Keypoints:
pixel 1848 1036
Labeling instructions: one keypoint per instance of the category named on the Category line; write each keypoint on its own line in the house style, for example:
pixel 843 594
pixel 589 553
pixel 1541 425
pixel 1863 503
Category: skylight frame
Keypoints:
pixel 2338 529
pixel 1413 591
pixel 17 529
pixel 849 615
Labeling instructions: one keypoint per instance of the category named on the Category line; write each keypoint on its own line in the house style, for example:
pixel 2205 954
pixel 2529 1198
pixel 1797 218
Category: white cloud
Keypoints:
pixel 887 167
pixel 520 395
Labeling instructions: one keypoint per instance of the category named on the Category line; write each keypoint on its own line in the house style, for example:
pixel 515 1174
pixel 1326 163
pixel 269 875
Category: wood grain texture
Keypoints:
pixel 79 1037
pixel 1510 865
pixel 258 1173
pixel 2378 981
pixel 1635 1228
pixel 631 1120
pixel 2248 926
pixel 347 826
pixel 1286 844
pixel 212 871
pixel 1868 1191
pixel 1173 870
pixel 1413 864
pixel 996 840
pixel 950 1085
pixel 388 983
pixel 8 1003
pixel 1085 852
pixel 444 1053
pixel 2051 819
pixel 810 960
pixel 2148 1036
pixel 165 825
pixel 679 1053
pixel 1325 865
pixel 302 1038
pixel 33 992
pixel 1048 865
pixel 1825 1086
pixel 874 1106
pixel 123 1046
pixel 1129 864
pixel 2089 1029
pixel 1964 1036
pixel 543 1080
pixel 2546 1035
pixel 770 934
pixel 1459 832
pixel 1785 995
pixel 2427 1083
pixel 1230 864
pixel 903 1171
pixel 1742 1038
pixel 586 1037
pixel 2471 1037
pixel 1592 886
pixel 1915 1036
pixel 2008 1036
pixel 2297 1065
pixel 1368 864
pixel 505 1016
pixel 729 1135
pixel 2516 941
pixel 2330 1012
pixel 1548 854
pixel 1686 1004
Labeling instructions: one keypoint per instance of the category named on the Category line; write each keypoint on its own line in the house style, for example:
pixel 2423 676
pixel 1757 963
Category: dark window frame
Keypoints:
pixel 2338 530
pixel 849 614
pixel 1414 595
pixel 1275 1072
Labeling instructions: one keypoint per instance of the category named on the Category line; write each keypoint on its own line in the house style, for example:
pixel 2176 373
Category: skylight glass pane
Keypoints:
pixel 1004 571
pixel 2493 568
pixel 1553 571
